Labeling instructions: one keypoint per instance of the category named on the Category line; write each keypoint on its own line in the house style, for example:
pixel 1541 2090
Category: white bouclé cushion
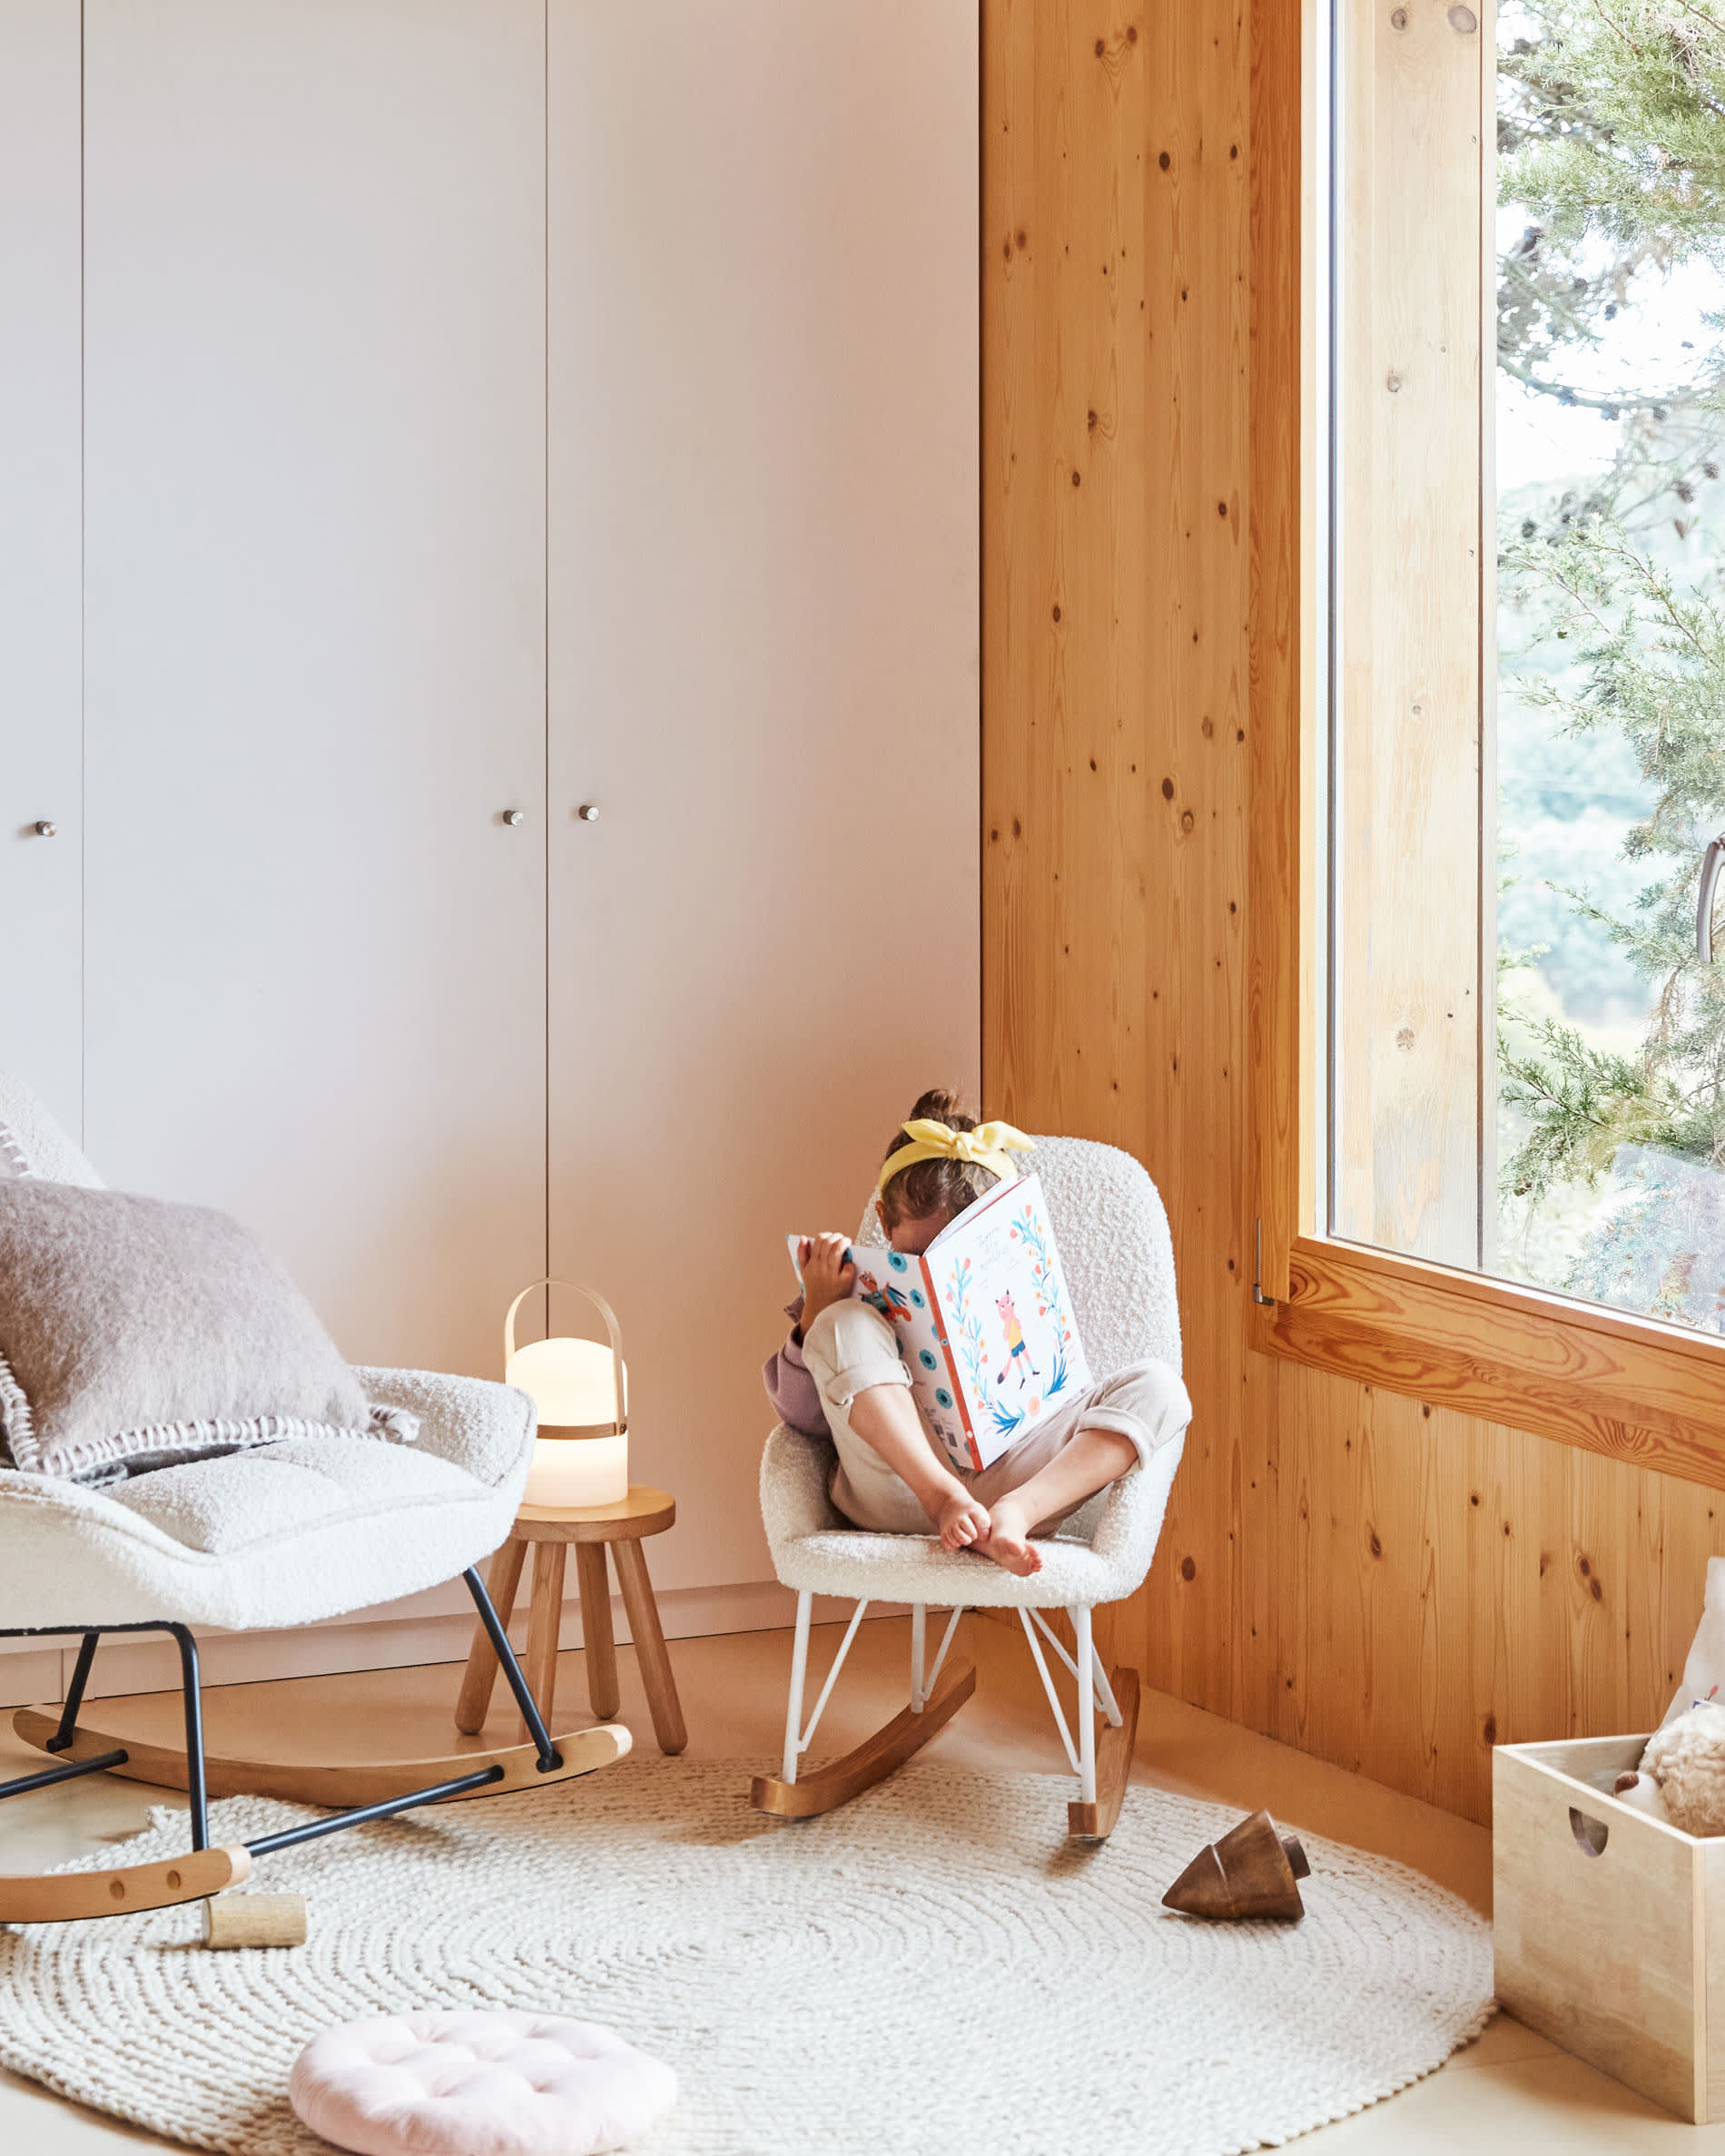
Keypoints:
pixel 31 1144
pixel 478 2084
pixel 295 1536
pixel 136 1333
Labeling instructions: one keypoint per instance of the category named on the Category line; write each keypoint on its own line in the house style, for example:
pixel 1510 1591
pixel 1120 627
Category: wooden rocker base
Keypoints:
pixel 61 1897
pixel 1095 1822
pixel 333 1787
pixel 871 1761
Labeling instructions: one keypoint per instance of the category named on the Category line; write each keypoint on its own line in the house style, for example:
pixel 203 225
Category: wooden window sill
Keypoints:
pixel 1630 1387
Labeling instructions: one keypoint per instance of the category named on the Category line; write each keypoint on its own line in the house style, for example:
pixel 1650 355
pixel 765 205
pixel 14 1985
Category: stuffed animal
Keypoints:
pixel 1685 1762
pixel 1640 1791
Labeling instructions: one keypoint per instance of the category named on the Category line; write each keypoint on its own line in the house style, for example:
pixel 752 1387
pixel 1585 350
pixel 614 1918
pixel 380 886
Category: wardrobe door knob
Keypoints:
pixel 587 812
pixel 44 830
pixel 515 818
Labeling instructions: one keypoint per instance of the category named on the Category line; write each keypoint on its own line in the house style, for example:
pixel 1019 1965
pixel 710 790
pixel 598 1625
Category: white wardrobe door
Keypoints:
pixel 315 447
pixel 764 576
pixel 40 572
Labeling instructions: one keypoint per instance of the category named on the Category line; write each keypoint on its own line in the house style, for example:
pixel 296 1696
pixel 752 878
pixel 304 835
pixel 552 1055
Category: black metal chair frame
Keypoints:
pixel 550 1758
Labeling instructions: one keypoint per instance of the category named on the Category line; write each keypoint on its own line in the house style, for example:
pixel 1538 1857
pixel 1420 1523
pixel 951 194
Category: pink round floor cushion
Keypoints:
pixel 478 2084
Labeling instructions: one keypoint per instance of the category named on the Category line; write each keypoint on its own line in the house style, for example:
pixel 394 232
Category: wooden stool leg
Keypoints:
pixel 544 1620
pixel 649 1646
pixel 501 1581
pixel 595 1629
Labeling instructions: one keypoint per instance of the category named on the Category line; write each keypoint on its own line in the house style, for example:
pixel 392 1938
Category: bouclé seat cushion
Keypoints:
pixel 478 2084
pixel 281 1534
pixel 134 1333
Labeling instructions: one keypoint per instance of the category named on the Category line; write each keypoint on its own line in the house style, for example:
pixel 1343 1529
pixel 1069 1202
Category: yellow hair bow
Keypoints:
pixel 990 1145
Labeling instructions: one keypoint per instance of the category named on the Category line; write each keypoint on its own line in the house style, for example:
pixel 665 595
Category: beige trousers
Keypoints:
pixel 851 1347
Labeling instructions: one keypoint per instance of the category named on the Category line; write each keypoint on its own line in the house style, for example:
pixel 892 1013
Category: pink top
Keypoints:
pixel 789 1384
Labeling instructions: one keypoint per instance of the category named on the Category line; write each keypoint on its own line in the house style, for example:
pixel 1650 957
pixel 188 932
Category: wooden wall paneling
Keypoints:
pixel 1488 1583
pixel 1115 507
pixel 1346 1666
pixel 1300 1642
pixel 1448 1613
pixel 1593 1580
pixel 1018 554
pixel 1448 1584
pixel 1268 1454
pixel 1390 1583
pixel 1665 1545
pixel 1555 1702
pixel 1199 377
pixel 1652 1394
pixel 1691 1527
pixel 41 570
pixel 1398 1515
pixel 1510 1696
pixel 1663 1542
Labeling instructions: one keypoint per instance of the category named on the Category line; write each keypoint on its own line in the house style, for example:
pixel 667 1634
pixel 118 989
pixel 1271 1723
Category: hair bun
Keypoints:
pixel 939 1106
pixel 928 1186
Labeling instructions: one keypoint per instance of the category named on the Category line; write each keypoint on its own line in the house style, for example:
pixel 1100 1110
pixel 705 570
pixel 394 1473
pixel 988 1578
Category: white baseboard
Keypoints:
pixel 434 1627
pixel 34 1672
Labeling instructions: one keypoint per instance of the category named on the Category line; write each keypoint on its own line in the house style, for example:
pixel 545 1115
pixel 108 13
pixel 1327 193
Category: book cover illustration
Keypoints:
pixel 983 1323
pixel 1013 1342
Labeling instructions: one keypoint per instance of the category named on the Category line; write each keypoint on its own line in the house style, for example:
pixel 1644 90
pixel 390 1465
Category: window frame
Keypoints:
pixel 1613 1383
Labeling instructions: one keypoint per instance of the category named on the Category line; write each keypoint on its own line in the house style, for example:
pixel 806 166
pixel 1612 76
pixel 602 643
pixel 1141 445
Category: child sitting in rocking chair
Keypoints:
pixel 839 1370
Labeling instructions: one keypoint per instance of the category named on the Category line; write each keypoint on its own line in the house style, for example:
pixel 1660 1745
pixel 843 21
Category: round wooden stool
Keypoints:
pixel 551 1529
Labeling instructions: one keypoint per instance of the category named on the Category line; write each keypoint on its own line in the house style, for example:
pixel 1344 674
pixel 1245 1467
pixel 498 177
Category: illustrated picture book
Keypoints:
pixel 983 1321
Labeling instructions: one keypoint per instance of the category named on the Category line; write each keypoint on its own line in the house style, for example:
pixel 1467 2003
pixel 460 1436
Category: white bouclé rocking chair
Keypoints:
pixel 1120 1268
pixel 287 1534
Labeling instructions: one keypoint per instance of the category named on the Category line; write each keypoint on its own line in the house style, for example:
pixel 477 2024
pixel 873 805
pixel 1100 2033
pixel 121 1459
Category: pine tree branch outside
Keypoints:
pixel 1611 1043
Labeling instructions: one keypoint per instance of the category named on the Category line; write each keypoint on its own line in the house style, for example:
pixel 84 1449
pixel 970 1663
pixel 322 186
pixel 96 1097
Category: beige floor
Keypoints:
pixel 1510 2090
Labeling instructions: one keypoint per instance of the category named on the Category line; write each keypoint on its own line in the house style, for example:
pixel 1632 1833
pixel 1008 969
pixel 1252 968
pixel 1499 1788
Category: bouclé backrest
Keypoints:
pixel 33 1145
pixel 1115 1249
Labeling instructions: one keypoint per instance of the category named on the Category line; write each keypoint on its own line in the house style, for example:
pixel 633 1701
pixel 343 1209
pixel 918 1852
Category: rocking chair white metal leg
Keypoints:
pixel 935 1698
pixel 1102 1768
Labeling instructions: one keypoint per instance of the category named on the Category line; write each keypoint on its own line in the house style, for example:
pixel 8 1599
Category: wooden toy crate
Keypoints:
pixel 1609 1925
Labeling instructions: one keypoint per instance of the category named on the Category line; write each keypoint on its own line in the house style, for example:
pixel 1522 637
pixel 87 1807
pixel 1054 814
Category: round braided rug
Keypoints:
pixel 933 1967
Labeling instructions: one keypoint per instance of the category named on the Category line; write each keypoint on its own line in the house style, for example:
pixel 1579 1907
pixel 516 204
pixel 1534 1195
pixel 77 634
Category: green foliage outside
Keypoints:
pixel 1612 150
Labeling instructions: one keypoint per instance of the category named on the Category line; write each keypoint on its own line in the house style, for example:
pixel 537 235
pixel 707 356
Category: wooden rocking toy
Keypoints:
pixel 1125 1300
pixel 1254 1870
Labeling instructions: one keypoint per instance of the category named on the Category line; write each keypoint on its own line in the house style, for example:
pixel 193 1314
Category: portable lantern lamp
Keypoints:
pixel 581 1389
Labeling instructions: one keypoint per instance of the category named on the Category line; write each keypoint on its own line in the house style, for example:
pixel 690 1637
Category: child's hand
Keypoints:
pixel 826 1277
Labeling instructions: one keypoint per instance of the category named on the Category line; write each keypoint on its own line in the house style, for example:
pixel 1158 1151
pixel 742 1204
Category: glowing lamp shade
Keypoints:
pixel 573 1383
pixel 581 1389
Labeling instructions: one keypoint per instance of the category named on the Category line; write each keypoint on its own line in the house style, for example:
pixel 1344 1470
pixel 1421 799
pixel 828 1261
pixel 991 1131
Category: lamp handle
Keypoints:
pixel 611 1326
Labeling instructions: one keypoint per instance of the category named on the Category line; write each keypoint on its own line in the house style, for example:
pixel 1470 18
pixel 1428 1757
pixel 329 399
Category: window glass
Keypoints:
pixel 1527 665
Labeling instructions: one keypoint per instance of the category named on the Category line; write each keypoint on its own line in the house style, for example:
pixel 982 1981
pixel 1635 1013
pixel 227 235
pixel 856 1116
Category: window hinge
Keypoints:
pixel 1262 1301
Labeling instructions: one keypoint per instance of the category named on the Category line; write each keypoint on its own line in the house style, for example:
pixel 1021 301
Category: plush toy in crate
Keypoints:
pixel 1682 1777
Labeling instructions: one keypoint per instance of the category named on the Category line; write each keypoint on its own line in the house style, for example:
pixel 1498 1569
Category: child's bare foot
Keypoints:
pixel 963 1523
pixel 1008 1541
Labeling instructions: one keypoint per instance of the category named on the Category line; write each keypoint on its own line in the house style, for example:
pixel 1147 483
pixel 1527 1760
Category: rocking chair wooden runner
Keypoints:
pixel 1120 1266
pixel 281 1536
